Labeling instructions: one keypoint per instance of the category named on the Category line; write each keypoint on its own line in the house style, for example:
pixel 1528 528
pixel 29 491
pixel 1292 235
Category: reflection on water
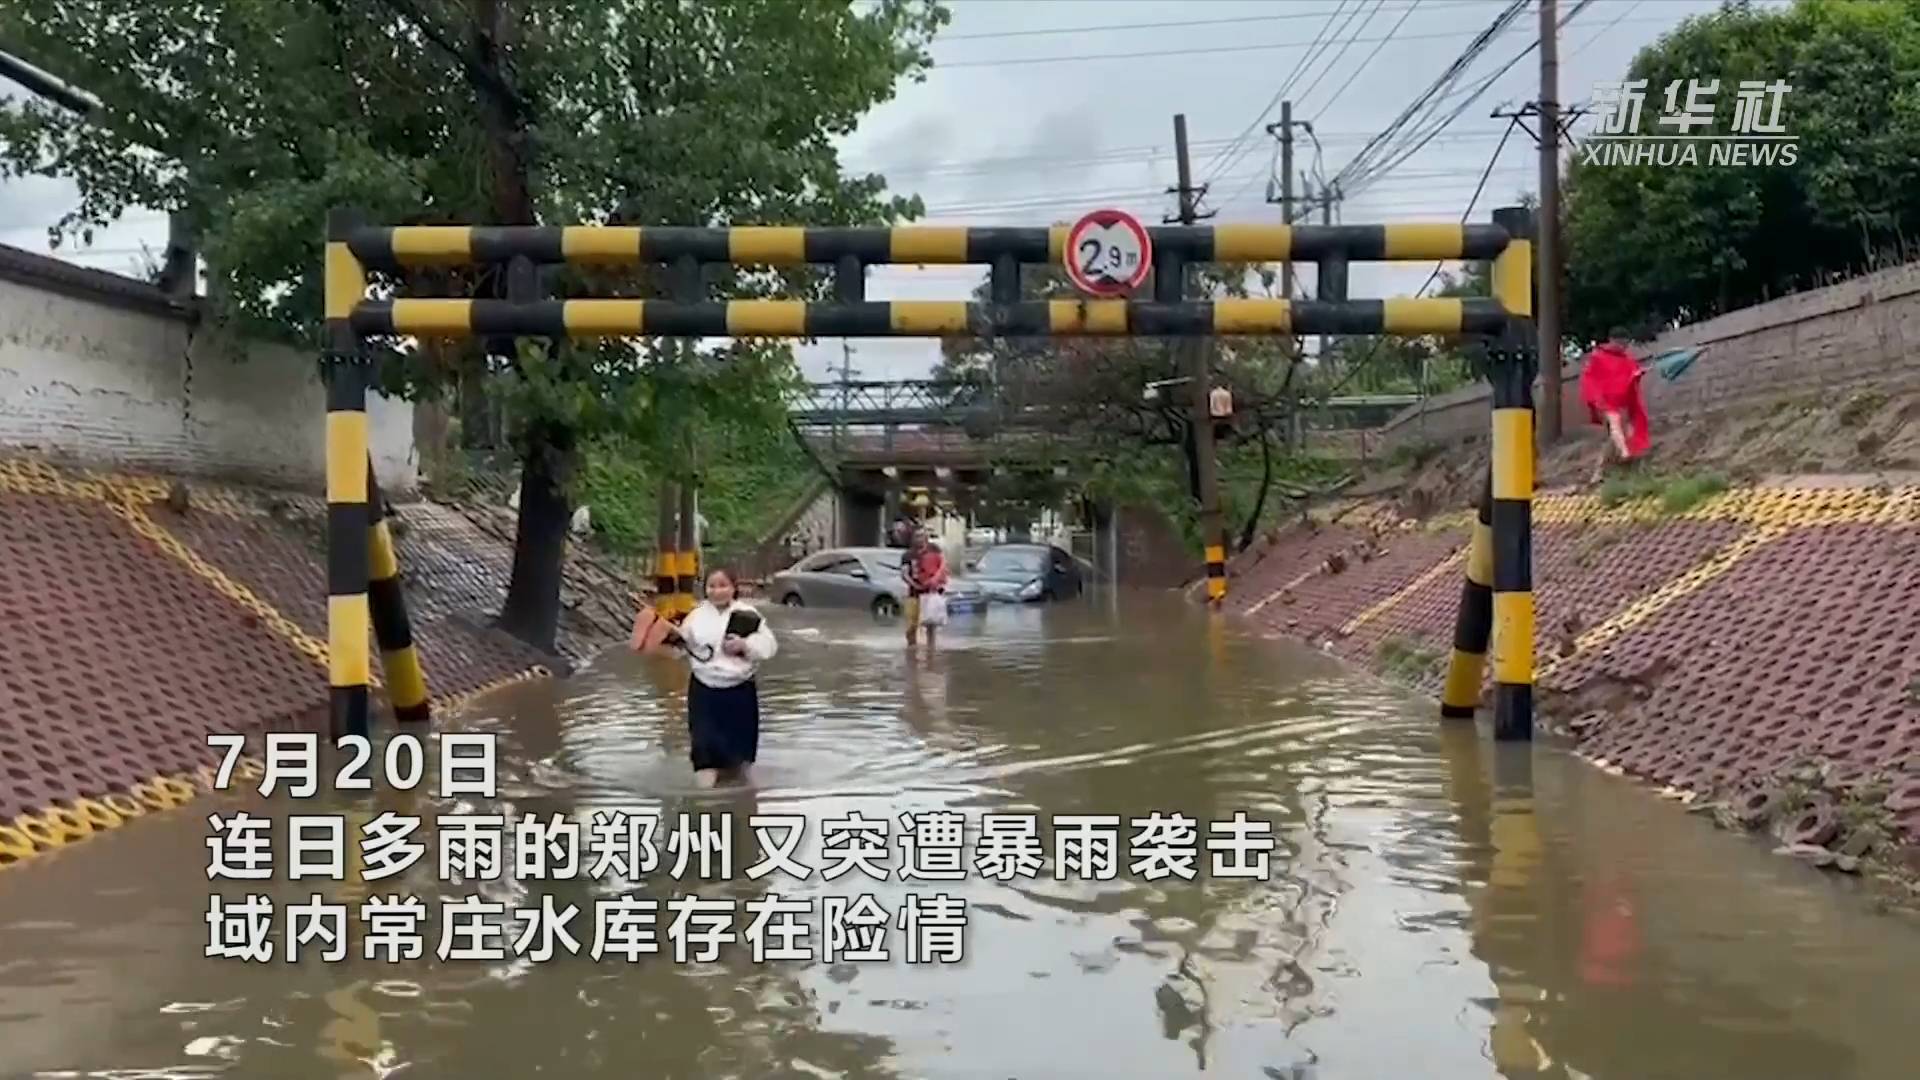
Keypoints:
pixel 1437 907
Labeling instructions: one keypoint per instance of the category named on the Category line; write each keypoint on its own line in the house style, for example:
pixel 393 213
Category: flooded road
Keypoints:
pixel 1436 906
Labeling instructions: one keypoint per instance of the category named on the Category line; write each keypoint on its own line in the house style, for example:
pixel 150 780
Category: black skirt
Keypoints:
pixel 723 726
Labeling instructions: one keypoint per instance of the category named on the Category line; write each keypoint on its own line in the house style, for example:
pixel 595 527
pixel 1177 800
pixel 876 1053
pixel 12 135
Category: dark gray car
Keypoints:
pixel 1027 573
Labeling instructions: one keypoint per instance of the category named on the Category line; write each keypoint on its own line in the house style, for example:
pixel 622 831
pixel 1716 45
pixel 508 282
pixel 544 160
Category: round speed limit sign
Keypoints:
pixel 1108 253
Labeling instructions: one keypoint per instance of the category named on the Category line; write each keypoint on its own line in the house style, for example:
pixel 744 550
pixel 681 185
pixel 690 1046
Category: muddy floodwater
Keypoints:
pixel 1435 906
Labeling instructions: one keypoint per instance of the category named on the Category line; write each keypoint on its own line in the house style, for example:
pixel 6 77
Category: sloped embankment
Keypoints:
pixel 1760 647
pixel 138 615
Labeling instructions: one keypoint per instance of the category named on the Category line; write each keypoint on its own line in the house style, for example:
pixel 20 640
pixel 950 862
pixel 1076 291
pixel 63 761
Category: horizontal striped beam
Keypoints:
pixel 924 318
pixel 608 245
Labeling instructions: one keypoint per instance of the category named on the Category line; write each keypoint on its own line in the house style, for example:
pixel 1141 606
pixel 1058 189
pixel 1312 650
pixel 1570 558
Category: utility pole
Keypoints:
pixel 1324 352
pixel 1213 532
pixel 1547 262
pixel 1284 129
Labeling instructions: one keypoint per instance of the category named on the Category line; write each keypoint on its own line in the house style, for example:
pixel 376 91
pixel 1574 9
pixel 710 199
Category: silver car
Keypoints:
pixel 859 577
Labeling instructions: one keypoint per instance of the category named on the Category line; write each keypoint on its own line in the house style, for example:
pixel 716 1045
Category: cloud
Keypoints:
pixel 1033 143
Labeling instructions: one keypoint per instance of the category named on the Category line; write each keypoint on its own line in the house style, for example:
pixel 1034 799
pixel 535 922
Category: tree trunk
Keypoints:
pixel 532 610
pixel 494 24
pixel 1192 455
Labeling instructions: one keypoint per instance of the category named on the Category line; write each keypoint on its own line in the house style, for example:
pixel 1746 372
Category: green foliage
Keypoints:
pixel 1094 388
pixel 1860 407
pixel 755 475
pixel 1686 492
pixel 1676 494
pixel 1631 486
pixel 1651 246
pixel 1405 365
pixel 1405 660
pixel 250 118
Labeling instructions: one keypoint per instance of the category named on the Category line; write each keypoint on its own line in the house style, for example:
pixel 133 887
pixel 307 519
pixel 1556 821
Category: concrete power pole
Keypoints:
pixel 1286 187
pixel 1213 532
pixel 1547 262
pixel 1283 130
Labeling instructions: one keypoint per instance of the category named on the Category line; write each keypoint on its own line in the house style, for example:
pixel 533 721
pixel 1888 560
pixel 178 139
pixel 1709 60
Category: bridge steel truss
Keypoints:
pixel 1497 594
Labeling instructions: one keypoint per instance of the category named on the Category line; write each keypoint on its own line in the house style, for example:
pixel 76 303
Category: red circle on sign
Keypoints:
pixel 1108 253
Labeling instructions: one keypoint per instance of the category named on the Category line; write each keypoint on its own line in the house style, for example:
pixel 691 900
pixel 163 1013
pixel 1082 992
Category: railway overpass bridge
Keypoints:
pixel 885 442
pixel 882 442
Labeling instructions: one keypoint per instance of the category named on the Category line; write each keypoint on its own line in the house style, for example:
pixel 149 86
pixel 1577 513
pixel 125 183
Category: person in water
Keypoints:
pixel 925 571
pixel 1610 388
pixel 723 701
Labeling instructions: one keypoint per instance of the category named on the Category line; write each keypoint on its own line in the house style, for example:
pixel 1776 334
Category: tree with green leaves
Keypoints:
pixel 248 119
pixel 1098 396
pixel 1397 364
pixel 1652 246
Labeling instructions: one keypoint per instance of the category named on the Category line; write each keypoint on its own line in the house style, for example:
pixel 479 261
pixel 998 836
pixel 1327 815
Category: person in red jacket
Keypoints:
pixel 1610 388
pixel 925 570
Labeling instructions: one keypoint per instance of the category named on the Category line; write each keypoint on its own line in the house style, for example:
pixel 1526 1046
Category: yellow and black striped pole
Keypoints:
pixel 1511 372
pixel 605 318
pixel 349 663
pixel 687 573
pixel 1473 623
pixel 395 247
pixel 1217 570
pixel 1512 546
pixel 666 558
pixel 406 682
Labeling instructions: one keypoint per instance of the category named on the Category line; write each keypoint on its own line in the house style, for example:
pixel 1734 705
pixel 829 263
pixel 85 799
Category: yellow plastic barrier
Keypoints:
pixel 152 795
pixel 69 823
pixel 123 804
pixel 97 814
pixel 15 846
pixel 178 787
pixel 42 834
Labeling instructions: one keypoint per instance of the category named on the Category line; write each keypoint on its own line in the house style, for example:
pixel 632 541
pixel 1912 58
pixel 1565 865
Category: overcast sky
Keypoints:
pixel 1040 110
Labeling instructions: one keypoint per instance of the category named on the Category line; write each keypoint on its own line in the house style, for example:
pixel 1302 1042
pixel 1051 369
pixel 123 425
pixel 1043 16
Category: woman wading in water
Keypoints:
pixel 725 642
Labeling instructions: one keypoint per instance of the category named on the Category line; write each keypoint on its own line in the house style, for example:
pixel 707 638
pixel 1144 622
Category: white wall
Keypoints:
pixel 115 378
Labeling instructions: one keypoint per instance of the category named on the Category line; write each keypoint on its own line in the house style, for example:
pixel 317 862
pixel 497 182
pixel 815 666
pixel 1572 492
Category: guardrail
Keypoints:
pixel 355 247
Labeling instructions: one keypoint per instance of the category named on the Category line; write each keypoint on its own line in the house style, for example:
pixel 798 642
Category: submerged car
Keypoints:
pixel 860 577
pixel 1027 573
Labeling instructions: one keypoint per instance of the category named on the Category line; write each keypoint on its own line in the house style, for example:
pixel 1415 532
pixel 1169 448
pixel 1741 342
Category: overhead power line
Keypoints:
pixel 1364 64
pixel 1188 24
pixel 1307 94
pixel 1199 51
pixel 1598 34
pixel 1465 216
pixel 1117 155
pixel 1437 196
pixel 1219 162
pixel 1412 144
pixel 1451 74
pixel 1423 179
